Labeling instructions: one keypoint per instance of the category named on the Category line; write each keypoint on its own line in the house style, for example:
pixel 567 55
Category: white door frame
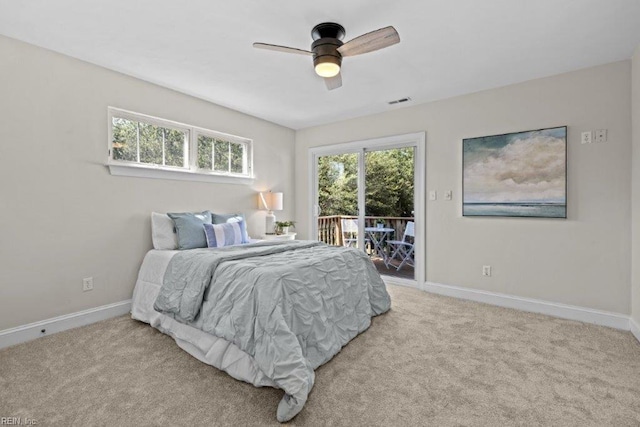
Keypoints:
pixel 417 140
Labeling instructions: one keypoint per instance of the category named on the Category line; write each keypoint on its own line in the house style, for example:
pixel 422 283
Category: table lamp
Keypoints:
pixel 270 202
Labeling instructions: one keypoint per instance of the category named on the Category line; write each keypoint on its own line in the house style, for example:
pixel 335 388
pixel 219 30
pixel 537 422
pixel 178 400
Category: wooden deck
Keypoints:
pixel 406 272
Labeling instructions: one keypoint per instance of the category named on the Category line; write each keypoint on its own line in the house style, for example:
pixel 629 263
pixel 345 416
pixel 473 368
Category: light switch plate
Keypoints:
pixel 448 195
pixel 600 136
pixel 433 195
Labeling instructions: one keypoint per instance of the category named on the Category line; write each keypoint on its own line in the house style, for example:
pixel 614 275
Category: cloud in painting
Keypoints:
pixel 525 169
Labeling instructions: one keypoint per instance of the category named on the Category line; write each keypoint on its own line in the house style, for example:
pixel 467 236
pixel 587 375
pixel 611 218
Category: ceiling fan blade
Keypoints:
pixel 281 48
pixel 375 40
pixel 333 82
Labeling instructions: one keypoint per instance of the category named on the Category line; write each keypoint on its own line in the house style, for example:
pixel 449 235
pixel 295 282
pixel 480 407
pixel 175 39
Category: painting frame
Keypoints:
pixel 497 199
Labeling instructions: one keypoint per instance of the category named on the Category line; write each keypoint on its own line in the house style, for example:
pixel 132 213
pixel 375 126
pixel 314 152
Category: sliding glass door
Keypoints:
pixel 367 195
pixel 337 189
pixel 389 180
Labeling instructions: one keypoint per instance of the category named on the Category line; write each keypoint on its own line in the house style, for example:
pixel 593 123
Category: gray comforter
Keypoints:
pixel 290 305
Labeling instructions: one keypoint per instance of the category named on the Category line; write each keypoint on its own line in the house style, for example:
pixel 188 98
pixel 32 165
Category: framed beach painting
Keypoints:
pixel 521 174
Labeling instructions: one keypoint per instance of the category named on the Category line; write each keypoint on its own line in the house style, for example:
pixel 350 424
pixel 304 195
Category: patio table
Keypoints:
pixel 378 236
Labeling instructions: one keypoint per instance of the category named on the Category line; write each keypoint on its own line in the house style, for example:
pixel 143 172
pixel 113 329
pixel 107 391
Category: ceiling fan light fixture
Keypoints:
pixel 328 49
pixel 327 69
pixel 326 60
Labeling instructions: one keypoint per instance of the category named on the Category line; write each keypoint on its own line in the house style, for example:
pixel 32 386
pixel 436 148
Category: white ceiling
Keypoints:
pixel 449 47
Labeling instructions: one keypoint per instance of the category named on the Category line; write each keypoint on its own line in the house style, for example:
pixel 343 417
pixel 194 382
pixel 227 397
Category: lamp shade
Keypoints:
pixel 270 201
pixel 276 201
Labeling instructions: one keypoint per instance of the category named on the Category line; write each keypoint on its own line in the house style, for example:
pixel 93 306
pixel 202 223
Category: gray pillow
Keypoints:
pixel 224 218
pixel 190 229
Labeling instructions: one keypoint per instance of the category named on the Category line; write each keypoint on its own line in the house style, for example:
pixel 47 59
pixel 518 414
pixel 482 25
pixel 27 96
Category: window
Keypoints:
pixel 146 142
pixel 140 142
pixel 221 155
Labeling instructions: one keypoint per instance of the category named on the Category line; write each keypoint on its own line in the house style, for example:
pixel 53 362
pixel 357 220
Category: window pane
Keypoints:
pixel 124 144
pixel 150 144
pixel 205 145
pixel 237 162
pixel 221 157
pixel 174 143
pixel 338 184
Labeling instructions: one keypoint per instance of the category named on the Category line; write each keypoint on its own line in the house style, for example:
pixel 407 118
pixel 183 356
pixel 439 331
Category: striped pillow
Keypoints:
pixel 227 234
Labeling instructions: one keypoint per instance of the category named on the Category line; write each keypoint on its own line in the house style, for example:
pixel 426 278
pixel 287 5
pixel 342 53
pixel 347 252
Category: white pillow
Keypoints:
pixel 162 232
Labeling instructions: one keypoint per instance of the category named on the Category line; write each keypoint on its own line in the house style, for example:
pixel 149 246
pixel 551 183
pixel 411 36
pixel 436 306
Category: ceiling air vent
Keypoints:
pixel 399 101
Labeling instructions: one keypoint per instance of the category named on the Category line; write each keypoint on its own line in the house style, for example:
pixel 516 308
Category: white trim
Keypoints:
pixel 31 331
pixel 362 207
pixel 386 142
pixel 564 311
pixel 634 328
pixel 420 207
pixel 141 171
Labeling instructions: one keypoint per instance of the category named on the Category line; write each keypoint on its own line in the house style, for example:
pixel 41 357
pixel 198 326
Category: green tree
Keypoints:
pixel 389 183
pixel 215 154
pixel 150 141
pixel 338 184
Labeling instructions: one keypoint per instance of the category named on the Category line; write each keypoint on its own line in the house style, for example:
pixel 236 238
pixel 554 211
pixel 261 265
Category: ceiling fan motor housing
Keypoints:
pixel 328 30
pixel 327 39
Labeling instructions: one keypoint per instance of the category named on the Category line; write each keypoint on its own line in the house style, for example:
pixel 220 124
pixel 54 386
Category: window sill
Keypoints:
pixel 179 175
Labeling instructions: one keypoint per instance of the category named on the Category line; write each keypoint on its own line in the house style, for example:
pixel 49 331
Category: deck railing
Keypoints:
pixel 330 227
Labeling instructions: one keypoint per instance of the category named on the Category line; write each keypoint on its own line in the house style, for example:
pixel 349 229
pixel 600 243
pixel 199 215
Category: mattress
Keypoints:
pixel 203 346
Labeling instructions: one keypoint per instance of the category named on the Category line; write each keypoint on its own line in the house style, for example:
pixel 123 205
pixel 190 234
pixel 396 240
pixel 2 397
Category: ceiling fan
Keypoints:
pixel 328 49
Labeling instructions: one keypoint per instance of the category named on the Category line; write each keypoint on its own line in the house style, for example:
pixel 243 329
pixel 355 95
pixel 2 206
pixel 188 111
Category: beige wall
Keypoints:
pixel 63 216
pixel 584 260
pixel 635 219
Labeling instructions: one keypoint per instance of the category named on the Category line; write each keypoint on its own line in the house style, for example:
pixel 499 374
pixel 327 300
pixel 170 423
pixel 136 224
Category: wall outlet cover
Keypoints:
pixel 87 284
pixel 586 137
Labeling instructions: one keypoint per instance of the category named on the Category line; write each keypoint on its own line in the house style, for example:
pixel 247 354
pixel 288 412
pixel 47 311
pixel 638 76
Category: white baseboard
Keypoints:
pixel 565 311
pixel 32 331
pixel 635 328
pixel 29 332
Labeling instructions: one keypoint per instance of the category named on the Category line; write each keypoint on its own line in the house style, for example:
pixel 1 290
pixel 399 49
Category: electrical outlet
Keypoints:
pixel 587 137
pixel 600 136
pixel 448 195
pixel 486 270
pixel 87 284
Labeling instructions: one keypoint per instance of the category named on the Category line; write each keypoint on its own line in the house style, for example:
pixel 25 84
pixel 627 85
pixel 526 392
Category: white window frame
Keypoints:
pixel 188 173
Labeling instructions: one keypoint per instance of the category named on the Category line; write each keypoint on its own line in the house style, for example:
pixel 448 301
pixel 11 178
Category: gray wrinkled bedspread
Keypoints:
pixel 290 305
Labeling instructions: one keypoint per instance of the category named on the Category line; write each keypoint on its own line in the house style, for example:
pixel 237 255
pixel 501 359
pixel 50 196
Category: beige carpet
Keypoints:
pixel 430 361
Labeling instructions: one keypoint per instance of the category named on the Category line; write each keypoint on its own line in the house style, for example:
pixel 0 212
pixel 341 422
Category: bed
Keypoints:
pixel 268 313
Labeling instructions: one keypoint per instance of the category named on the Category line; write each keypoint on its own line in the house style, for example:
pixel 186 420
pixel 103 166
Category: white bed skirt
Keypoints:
pixel 205 347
